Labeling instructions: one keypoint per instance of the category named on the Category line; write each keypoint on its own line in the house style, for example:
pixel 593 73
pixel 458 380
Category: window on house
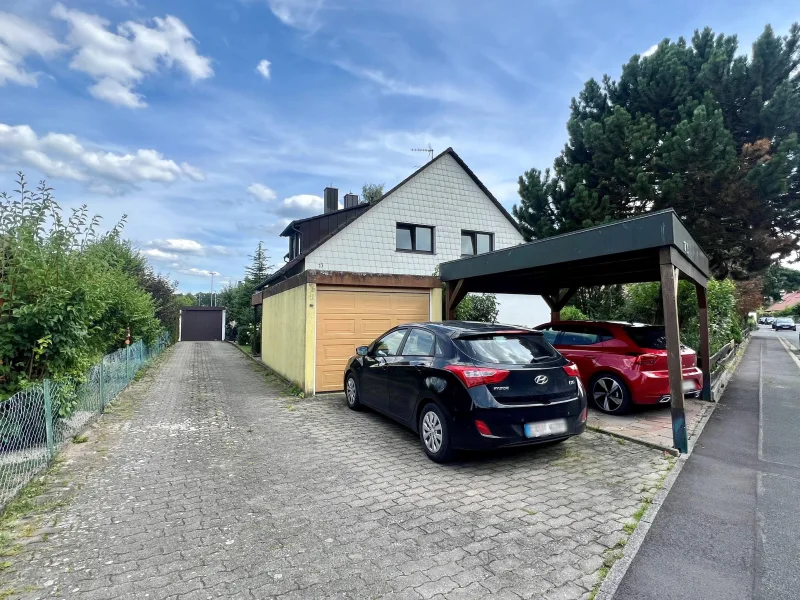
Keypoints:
pixel 414 238
pixel 476 242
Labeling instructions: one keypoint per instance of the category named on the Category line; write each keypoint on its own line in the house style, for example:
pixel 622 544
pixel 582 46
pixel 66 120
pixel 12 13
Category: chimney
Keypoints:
pixel 350 200
pixel 331 197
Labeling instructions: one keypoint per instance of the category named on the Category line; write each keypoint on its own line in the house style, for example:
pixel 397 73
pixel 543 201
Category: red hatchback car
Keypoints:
pixel 622 364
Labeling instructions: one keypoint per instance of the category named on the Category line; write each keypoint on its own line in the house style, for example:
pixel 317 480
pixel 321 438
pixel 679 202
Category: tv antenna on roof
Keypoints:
pixel 428 151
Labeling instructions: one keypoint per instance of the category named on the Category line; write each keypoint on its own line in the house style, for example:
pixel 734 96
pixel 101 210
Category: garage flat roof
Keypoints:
pixel 621 252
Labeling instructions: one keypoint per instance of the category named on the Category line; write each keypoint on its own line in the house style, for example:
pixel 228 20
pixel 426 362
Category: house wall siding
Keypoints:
pixel 442 196
pixel 288 333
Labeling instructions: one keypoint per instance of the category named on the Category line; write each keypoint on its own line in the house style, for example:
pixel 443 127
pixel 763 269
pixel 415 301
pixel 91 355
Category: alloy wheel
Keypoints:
pixel 432 432
pixel 608 394
pixel 351 391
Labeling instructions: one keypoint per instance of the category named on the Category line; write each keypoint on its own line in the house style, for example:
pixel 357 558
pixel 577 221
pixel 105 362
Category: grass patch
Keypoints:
pixel 246 347
pixel 80 439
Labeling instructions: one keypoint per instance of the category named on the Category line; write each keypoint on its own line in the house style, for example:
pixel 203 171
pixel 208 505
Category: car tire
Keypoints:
pixel 610 394
pixel 351 392
pixel 434 433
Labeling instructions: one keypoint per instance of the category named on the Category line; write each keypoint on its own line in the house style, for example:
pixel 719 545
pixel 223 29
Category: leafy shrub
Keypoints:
pixel 67 293
pixel 571 313
pixel 478 307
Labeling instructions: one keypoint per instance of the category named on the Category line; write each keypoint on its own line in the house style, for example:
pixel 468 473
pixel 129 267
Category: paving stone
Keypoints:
pixel 204 483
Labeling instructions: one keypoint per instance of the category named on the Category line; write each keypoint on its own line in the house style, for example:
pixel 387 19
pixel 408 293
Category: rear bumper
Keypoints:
pixel 652 387
pixel 508 422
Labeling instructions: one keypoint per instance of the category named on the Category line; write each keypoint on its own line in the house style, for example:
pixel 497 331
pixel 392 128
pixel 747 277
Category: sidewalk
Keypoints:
pixel 729 528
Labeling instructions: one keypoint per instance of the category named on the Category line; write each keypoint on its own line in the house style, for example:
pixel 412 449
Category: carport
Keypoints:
pixel 653 247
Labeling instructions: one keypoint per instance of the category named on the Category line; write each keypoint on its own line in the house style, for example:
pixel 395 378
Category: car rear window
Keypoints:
pixel 507 348
pixel 785 321
pixel 653 337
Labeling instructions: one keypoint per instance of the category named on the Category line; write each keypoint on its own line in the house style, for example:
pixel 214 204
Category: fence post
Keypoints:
pixel 102 385
pixel 48 418
pixel 127 371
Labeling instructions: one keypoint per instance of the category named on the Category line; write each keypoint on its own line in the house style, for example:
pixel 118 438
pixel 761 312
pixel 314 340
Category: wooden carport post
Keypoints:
pixel 705 349
pixel 558 301
pixel 669 291
pixel 455 294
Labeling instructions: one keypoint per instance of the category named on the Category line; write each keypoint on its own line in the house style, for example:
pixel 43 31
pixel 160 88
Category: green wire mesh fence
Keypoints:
pixel 37 421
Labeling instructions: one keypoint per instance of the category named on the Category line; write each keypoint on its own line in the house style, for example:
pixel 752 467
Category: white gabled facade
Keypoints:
pixel 442 196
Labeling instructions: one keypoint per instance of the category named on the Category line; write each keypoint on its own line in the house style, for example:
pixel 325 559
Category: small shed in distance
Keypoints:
pixel 201 324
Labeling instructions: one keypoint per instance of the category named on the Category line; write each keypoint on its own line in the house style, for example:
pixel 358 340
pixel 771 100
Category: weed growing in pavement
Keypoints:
pixel 80 439
pixel 612 555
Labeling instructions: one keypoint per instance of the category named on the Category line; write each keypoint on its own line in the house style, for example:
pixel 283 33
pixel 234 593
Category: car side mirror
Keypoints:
pixel 362 350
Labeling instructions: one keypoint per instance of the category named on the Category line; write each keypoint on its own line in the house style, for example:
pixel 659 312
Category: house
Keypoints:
pixel 353 273
pixel 788 300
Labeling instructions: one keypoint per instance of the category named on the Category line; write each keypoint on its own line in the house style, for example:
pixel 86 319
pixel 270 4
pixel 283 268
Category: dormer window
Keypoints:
pixel 294 246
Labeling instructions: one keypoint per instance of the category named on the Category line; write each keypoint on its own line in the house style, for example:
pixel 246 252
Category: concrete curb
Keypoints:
pixel 610 584
pixel 634 440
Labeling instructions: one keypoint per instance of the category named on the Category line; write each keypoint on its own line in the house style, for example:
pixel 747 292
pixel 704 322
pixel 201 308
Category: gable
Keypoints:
pixel 443 195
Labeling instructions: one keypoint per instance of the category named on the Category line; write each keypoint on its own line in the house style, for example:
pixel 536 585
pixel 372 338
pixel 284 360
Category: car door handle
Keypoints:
pixel 418 364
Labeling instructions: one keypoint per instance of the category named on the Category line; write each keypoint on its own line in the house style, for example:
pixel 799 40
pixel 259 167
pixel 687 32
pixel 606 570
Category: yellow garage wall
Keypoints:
pixel 436 304
pixel 287 334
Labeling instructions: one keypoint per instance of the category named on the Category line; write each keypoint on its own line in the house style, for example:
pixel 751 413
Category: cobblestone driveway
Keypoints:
pixel 215 487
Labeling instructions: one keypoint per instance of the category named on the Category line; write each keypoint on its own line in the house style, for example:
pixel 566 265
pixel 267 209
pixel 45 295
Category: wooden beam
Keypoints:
pixel 455 294
pixel 669 291
pixel 705 347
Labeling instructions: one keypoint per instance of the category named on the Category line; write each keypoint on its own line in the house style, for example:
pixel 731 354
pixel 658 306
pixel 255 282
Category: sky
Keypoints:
pixel 213 123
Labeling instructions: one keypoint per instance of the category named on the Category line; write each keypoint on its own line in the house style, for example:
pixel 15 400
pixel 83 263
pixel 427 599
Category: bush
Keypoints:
pixel 571 313
pixel 66 293
pixel 478 307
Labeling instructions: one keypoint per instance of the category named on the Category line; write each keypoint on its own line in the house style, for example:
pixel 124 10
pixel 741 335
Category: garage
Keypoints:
pixel 201 324
pixel 350 317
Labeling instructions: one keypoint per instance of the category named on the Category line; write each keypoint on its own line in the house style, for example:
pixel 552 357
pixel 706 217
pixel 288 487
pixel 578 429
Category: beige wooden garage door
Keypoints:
pixel 352 317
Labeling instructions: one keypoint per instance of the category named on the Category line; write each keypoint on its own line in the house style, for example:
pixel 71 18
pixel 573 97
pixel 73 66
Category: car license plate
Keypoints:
pixel 546 428
pixel 689 385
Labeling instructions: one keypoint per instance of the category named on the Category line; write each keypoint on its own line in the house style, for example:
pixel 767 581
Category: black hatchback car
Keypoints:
pixel 784 323
pixel 463 385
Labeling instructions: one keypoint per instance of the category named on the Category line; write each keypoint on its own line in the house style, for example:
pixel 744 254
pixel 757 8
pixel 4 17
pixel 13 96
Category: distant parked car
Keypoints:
pixel 466 385
pixel 622 364
pixel 769 320
pixel 784 323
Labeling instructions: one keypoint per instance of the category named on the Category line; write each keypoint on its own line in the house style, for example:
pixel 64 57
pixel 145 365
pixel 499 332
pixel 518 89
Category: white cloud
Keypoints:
pixel 262 192
pixel 388 85
pixel 300 14
pixel 192 172
pixel 160 255
pixel 304 203
pixel 650 51
pixel 63 156
pixel 120 61
pixel 263 68
pixel 179 245
pixel 198 272
pixel 19 39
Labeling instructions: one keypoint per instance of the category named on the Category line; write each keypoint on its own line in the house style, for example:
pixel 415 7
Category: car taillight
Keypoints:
pixel 645 359
pixel 572 370
pixel 483 428
pixel 583 416
pixel 472 376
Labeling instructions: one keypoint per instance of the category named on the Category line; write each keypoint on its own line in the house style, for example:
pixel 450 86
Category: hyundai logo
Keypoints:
pixel 541 379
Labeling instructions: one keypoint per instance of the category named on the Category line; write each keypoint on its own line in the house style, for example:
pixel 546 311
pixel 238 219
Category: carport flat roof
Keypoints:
pixel 627 251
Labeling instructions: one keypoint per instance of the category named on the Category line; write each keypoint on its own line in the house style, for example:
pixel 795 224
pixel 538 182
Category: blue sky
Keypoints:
pixel 164 111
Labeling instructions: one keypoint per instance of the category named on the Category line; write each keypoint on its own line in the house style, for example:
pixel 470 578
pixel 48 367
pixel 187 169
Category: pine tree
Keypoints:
pixel 259 268
pixel 691 127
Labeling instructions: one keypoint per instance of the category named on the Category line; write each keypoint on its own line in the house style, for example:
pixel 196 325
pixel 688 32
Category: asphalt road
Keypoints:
pixel 730 527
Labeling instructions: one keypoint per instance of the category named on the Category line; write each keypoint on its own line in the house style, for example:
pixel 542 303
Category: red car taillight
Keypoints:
pixel 472 376
pixel 572 370
pixel 483 428
pixel 645 359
